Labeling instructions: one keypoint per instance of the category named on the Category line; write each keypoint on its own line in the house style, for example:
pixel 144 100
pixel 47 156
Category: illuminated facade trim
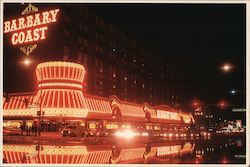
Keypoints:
pixel 57 96
pixel 167 115
pixel 60 84
pixel 186 118
pixel 50 112
pixel 60 64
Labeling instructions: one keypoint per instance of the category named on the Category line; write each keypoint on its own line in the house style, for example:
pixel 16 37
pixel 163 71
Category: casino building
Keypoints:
pixel 60 99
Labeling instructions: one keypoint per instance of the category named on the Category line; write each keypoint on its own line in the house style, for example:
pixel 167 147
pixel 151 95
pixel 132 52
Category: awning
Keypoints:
pixel 17 102
pixel 98 105
pixel 60 98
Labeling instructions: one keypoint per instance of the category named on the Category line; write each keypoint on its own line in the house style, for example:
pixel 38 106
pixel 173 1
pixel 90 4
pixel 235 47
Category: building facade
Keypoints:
pixel 115 63
pixel 60 99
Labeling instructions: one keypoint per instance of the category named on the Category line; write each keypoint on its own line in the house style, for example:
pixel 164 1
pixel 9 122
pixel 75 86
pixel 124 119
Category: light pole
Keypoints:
pixel 27 62
pixel 40 113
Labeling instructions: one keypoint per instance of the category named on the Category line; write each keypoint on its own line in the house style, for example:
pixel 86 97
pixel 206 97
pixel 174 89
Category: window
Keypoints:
pixel 80 25
pixel 149 127
pixel 111 126
pixel 157 127
pixel 126 126
pixel 86 29
pixel 85 43
pixel 92 125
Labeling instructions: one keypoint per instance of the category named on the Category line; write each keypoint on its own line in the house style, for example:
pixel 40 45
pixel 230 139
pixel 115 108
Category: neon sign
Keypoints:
pixel 31 28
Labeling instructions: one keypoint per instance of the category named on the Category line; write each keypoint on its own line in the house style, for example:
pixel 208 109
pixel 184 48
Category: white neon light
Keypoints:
pixel 73 112
pixel 60 84
pixel 60 63
pixel 167 115
pixel 54 150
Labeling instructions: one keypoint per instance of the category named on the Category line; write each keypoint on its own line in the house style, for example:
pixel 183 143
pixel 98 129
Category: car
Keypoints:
pixel 96 133
pixel 11 130
pixel 73 131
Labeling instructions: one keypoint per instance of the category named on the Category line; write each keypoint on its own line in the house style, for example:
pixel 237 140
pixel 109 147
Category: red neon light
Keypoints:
pixel 31 21
pixel 28 22
pixel 29 36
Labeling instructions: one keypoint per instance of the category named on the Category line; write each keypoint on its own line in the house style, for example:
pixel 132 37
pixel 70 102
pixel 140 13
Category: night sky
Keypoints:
pixel 193 40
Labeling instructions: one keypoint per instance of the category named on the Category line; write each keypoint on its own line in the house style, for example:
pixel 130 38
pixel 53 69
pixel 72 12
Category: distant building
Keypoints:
pixel 115 64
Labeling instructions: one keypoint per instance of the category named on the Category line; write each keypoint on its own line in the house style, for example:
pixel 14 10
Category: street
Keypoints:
pixel 51 147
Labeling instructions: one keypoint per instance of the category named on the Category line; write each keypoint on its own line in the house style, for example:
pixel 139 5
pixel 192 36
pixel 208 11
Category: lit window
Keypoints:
pixel 114 75
pixel 143 86
pixel 142 65
pixel 134 60
pixel 92 126
pixel 157 127
pixel 126 78
pixel 124 55
pixel 113 49
pixel 111 126
pixel 134 81
pixel 114 86
pixel 149 127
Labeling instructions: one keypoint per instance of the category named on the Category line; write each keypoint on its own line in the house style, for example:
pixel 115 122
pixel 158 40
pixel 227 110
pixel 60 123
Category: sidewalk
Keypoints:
pixel 49 136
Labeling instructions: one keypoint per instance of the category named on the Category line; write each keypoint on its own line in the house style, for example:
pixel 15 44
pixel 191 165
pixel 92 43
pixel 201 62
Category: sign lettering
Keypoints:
pixel 30 28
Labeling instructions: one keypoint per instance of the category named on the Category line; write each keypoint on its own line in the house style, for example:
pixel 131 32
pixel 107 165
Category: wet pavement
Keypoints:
pixel 53 148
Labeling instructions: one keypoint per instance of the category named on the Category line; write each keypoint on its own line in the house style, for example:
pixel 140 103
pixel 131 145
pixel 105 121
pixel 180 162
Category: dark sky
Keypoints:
pixel 194 40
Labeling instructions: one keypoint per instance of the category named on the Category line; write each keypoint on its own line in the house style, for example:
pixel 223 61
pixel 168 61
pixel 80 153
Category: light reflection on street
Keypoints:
pixel 169 152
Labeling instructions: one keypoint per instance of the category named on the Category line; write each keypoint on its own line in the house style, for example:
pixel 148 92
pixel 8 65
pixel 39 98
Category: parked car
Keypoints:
pixel 11 130
pixel 96 133
pixel 73 131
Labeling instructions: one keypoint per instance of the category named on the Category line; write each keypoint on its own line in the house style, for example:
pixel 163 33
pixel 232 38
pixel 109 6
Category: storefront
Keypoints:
pixel 60 101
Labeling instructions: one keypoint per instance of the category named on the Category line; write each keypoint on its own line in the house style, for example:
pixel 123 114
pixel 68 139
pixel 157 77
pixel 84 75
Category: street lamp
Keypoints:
pixel 234 92
pixel 226 67
pixel 222 104
pixel 27 61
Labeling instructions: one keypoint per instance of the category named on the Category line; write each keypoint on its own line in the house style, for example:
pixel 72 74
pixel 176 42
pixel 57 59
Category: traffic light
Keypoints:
pixel 223 104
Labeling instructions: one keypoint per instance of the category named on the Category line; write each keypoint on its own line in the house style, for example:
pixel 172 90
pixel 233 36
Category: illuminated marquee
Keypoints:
pixel 30 28
pixel 167 115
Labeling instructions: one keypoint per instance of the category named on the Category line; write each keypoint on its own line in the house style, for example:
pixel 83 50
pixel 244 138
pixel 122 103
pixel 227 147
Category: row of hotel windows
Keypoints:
pixel 99 23
pixel 109 51
pixel 88 25
pixel 139 67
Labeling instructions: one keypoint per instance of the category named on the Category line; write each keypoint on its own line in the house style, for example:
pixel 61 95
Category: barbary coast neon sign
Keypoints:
pixel 31 28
